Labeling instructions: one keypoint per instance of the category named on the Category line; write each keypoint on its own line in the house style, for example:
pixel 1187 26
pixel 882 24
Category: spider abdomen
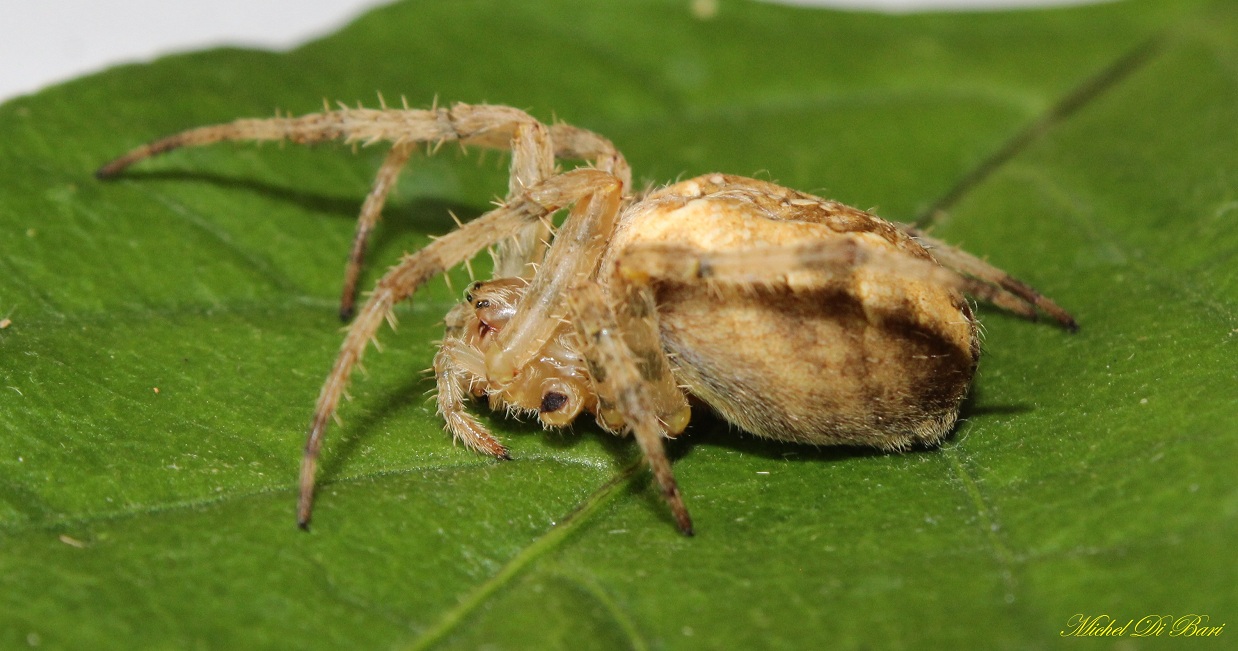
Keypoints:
pixel 863 354
pixel 811 368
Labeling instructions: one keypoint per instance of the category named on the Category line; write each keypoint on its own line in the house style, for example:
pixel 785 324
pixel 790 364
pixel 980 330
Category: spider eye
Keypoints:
pixel 553 401
pixel 468 298
pixel 482 304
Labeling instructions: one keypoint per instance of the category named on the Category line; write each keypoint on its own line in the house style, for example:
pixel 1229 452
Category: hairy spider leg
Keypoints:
pixel 621 387
pixel 458 368
pixel 777 202
pixel 966 263
pixel 371 210
pixel 637 316
pixel 414 270
pixel 532 162
pixel 768 265
pixel 574 143
pixel 533 147
pixel 574 256
pixel 534 151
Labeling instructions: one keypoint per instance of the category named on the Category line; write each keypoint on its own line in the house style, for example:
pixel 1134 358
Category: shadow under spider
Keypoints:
pixel 335 456
pixel 319 203
pixel 424 215
pixel 708 428
pixel 362 426
pixel 970 408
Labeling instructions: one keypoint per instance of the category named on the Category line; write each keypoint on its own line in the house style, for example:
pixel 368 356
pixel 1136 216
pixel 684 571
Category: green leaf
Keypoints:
pixel 168 333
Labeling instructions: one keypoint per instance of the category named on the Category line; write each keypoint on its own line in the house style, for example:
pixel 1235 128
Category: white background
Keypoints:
pixel 46 41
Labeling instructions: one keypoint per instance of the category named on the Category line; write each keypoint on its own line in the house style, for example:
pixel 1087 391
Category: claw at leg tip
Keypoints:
pixel 685 528
pixel 107 172
pixel 303 517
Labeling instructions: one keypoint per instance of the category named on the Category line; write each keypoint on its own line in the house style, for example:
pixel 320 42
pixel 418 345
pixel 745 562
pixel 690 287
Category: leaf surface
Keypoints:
pixel 169 332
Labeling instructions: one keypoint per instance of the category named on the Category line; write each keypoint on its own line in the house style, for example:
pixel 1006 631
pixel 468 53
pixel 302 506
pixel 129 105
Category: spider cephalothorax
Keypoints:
pixel 554 386
pixel 794 317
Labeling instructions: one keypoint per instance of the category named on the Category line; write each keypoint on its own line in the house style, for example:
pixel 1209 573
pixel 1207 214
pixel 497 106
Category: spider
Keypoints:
pixel 795 318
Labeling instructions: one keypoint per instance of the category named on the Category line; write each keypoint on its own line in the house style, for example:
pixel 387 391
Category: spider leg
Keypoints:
pixel 622 388
pixel 574 143
pixel 480 125
pixel 533 155
pixel 532 161
pixel 534 148
pixel 414 270
pixel 768 265
pixel 577 249
pixel 371 210
pixel 637 317
pixel 457 369
pixel 782 203
pixel 966 263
